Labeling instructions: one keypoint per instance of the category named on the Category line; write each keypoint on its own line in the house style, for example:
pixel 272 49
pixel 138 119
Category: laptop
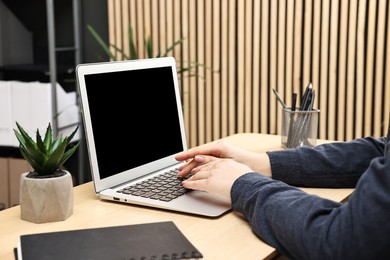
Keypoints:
pixel 134 127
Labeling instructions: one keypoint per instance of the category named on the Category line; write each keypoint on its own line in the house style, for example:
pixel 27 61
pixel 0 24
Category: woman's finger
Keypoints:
pixel 195 184
pixel 193 165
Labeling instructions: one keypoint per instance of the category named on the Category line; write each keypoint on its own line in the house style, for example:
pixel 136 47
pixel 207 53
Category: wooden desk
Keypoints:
pixel 226 237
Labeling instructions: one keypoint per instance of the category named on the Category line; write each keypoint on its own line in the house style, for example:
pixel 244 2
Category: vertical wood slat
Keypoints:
pixel 155 30
pixel 378 90
pixel 360 45
pixel 169 22
pixel 133 20
pixel 192 80
pixel 199 85
pixel 369 69
pixel 351 69
pixel 273 65
pixel 250 47
pixel 315 69
pixel 289 50
pixel 118 27
pixel 185 80
pixel 177 35
pixel 297 47
pixel 177 31
pixel 125 25
pixel 111 22
pixel 322 92
pixel 386 107
pixel 240 66
pixel 264 83
pixel 281 57
pixel 341 90
pixel 139 33
pixel 247 68
pixel 224 68
pixel 147 14
pixel 162 25
pixel 333 55
pixel 208 83
pixel 308 23
pixel 256 67
pixel 216 67
pixel 232 67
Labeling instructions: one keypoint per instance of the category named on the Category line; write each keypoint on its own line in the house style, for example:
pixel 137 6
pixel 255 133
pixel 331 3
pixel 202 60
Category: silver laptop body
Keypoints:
pixel 134 127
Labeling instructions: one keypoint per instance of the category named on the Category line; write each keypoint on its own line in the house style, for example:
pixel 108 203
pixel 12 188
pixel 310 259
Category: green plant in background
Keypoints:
pixel 133 53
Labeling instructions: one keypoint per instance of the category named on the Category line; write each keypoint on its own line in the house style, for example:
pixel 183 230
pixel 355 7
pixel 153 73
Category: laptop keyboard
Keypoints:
pixel 165 187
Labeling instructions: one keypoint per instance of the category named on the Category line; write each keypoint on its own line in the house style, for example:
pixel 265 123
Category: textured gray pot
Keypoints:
pixel 46 199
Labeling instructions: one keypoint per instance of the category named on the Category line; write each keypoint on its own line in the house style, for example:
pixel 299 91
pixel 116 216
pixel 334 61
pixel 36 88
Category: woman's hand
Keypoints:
pixel 224 150
pixel 215 175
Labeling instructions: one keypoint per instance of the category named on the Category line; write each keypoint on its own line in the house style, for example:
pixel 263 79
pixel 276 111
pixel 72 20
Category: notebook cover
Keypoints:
pixel 160 240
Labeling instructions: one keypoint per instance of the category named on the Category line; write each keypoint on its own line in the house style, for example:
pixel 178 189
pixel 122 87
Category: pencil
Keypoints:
pixel 306 97
pixel 294 102
pixel 279 99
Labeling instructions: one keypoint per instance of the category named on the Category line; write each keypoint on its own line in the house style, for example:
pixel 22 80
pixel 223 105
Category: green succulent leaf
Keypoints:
pixel 70 137
pixel 68 153
pixel 48 137
pixel 53 161
pixel 29 159
pixel 54 145
pixel 45 156
pixel 27 144
pixel 40 144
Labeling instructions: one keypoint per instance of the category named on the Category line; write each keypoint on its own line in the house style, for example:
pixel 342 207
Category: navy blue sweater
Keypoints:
pixel 303 226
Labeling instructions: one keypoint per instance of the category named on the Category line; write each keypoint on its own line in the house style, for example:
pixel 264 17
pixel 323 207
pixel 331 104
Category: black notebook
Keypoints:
pixel 160 240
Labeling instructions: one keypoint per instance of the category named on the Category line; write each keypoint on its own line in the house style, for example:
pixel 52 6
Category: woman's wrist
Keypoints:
pixel 261 164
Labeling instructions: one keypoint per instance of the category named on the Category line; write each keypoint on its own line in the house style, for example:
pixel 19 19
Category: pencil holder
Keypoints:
pixel 299 128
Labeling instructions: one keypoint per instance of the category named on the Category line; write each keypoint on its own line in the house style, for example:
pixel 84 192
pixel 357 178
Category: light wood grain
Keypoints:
pixel 224 68
pixel 264 66
pixel 333 69
pixel 341 90
pixel 379 64
pixel 360 68
pixel 341 47
pixel 240 94
pixel 248 68
pixel 350 90
pixel 281 60
pixel 273 63
pixel 256 67
pixel 216 67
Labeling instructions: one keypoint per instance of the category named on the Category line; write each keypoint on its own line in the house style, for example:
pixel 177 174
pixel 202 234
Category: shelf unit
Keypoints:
pixel 53 68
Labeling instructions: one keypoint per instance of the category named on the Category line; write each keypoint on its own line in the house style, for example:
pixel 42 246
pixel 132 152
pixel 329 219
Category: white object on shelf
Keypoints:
pixel 30 104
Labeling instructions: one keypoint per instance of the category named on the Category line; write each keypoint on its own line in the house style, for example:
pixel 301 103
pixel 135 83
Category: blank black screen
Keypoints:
pixel 134 118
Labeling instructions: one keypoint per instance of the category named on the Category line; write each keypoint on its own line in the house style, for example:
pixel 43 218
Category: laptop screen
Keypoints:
pixel 134 117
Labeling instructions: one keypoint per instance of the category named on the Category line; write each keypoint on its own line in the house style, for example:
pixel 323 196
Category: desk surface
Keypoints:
pixel 226 237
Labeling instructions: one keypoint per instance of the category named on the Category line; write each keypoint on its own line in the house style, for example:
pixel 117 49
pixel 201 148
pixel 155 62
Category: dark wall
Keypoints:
pixel 95 14
pixel 33 16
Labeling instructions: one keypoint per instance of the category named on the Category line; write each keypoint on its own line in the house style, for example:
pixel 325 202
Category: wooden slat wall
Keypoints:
pixel 249 47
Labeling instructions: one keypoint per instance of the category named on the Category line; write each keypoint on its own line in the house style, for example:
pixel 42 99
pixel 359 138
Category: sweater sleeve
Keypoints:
pixel 303 226
pixel 338 164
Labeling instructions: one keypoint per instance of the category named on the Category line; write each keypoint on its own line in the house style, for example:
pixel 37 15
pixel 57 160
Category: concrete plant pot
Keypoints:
pixel 46 199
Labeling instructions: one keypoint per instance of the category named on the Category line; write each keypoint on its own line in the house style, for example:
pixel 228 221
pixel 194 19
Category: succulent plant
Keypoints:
pixel 45 156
